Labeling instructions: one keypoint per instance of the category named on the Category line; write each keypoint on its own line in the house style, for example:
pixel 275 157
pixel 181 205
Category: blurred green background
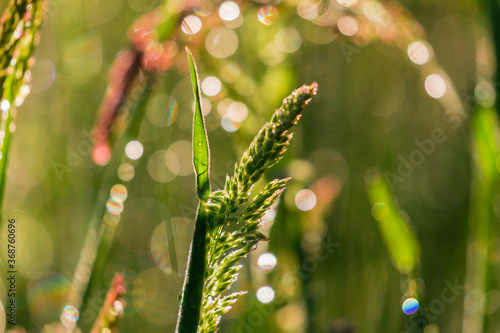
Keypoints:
pixel 333 271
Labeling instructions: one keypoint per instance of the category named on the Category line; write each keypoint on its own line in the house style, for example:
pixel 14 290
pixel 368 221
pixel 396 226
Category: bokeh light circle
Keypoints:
pixel 265 295
pixel 267 14
pixel 134 150
pixel 118 193
pixel 410 306
pixel 229 125
pixel 211 86
pixel 126 172
pixel 162 110
pixel 305 200
pixel 435 85
pixel 179 159
pixel 47 293
pixel 419 52
pixel 348 25
pixel 69 316
pixel 114 207
pixel 221 42
pixel 157 167
pixel 229 11
pixel 191 25
pixel 288 40
pixel 237 112
pixel 380 211
pixel 267 261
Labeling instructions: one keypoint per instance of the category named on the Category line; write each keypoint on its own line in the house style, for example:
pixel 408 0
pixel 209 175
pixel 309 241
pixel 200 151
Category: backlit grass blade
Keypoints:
pixel 201 153
pixel 482 220
pixel 399 239
pixel 192 293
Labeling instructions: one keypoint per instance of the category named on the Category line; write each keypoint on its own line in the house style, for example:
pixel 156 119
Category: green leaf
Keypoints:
pixel 399 239
pixel 201 152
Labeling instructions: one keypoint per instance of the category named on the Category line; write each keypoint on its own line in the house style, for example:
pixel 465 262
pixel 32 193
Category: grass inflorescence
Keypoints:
pixel 222 237
pixel 19 34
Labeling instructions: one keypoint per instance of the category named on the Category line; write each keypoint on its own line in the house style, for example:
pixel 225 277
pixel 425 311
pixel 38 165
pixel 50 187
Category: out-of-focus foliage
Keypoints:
pixel 400 86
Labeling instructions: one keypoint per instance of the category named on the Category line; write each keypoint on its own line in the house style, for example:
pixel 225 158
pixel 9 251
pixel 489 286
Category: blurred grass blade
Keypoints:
pixel 484 189
pixel 400 241
pixel 484 126
pixel 201 153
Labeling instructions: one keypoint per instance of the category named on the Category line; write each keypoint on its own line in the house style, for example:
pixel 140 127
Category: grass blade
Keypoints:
pixel 201 153
pixel 400 241
pixel 192 293
pixel 482 219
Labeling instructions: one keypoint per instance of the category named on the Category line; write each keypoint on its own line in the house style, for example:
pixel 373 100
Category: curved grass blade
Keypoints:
pixel 400 241
pixel 201 154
